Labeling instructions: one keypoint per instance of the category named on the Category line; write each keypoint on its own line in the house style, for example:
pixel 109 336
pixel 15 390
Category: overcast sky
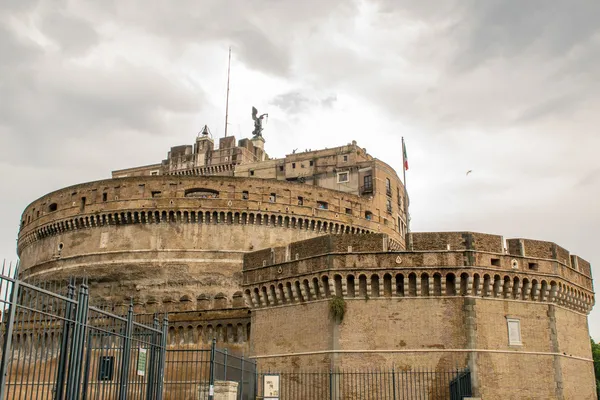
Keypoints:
pixel 509 89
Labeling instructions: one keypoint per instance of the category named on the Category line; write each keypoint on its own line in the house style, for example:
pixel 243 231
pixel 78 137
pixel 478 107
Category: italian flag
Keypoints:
pixel 404 156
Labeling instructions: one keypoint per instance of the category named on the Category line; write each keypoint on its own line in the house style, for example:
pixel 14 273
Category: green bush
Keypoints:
pixel 337 306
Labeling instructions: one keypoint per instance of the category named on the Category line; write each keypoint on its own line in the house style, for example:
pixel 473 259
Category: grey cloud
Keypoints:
pixel 73 35
pixel 292 102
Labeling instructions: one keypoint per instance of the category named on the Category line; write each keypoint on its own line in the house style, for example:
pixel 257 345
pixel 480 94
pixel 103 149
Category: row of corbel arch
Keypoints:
pixel 191 216
pixel 205 333
pixel 419 284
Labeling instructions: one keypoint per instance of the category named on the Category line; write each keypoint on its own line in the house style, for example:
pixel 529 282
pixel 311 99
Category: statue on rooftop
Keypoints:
pixel 257 123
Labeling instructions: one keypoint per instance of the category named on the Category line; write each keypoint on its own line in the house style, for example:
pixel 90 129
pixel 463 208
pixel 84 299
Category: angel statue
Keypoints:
pixel 257 122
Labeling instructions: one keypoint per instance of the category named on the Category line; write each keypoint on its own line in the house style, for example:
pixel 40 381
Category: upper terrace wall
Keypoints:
pixel 80 203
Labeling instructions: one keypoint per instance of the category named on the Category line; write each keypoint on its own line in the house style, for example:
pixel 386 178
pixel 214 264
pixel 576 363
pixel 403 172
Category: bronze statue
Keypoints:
pixel 257 123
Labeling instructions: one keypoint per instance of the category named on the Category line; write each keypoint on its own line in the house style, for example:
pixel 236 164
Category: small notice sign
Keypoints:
pixel 141 365
pixel 271 387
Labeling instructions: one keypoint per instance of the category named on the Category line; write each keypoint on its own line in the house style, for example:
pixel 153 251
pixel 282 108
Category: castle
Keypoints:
pixel 251 251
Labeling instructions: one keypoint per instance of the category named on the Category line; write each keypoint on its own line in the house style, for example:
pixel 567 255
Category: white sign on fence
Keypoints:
pixel 141 365
pixel 271 387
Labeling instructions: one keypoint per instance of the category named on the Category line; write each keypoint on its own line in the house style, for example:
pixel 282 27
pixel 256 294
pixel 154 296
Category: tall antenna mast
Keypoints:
pixel 227 101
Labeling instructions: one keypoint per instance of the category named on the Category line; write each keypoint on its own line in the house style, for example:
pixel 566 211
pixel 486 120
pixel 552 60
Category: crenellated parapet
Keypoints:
pixel 460 264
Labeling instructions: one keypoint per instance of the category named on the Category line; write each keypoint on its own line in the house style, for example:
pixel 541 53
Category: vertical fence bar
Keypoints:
pixel 242 380
pixel 6 347
pixel 86 372
pixel 125 358
pixel 74 371
pixel 162 358
pixel 211 383
pixel 152 358
pixel 225 366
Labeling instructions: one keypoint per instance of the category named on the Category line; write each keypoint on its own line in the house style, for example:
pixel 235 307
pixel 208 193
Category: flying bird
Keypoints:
pixel 469 171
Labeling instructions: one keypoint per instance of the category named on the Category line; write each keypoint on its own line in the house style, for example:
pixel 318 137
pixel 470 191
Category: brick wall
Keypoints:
pixel 422 241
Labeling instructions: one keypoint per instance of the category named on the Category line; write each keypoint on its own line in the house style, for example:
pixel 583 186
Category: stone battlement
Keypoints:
pixel 370 269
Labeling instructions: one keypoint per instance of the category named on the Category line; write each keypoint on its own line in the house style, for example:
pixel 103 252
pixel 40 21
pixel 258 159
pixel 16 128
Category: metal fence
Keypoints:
pixel 392 384
pixel 191 373
pixel 57 346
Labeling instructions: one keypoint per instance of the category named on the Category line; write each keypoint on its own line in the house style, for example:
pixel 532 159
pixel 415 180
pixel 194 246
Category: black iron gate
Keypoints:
pixel 57 346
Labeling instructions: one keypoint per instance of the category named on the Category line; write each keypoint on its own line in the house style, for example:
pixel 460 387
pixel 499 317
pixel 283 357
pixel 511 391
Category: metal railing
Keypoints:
pixel 57 346
pixel 391 384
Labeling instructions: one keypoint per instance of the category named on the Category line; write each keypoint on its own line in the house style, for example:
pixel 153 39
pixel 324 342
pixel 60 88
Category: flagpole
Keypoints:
pixel 407 237
pixel 227 100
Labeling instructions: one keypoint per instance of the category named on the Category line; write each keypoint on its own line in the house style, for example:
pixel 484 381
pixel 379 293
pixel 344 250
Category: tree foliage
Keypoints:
pixel 596 357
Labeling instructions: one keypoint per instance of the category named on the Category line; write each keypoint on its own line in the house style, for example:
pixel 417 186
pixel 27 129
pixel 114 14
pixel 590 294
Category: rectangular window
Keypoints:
pixel 367 184
pixel 343 177
pixel 300 200
pixel 251 173
pixel 311 163
pixel 368 215
pixel 245 195
pixel 273 198
pixel 496 262
pixel 349 211
pixel 322 205
pixel 153 173
pixel 82 205
pixel 389 206
pixel 388 187
pixel 104 196
pixel 281 168
pixel 514 332
pixel 345 158
pixel 156 193
pixel 533 266
pixel 293 165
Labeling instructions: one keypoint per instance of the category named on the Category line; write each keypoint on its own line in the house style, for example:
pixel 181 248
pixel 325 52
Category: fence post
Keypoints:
pixel 225 367
pixel 64 345
pixel 394 381
pixel 126 355
pixel 160 373
pixel 330 384
pixel 211 382
pixel 7 345
pixel 152 360
pixel 76 356
pixel 86 371
pixel 242 380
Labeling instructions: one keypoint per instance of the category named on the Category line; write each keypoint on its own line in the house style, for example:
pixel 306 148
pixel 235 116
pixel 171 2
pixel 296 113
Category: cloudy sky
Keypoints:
pixel 507 88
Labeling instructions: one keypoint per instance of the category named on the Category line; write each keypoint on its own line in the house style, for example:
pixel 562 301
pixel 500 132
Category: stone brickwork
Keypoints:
pixel 431 308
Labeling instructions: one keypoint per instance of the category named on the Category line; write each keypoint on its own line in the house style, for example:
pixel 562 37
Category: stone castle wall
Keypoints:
pixel 447 304
pixel 160 239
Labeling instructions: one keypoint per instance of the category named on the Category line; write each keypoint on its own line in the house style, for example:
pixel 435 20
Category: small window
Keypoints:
pixel 533 266
pixel 349 211
pixel 156 193
pixel 322 205
pixel 311 163
pixel 281 168
pixel 300 200
pixel 251 172
pixel 388 187
pixel 399 225
pixel 496 262
pixel 514 332
pixel 38 214
pixel 343 177
pixel 82 204
pixel 154 173
pixel 345 158
pixel 388 206
pixel 245 195
pixel 53 207
pixel 368 215
pixel 104 196
pixel 293 165
pixel 273 198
